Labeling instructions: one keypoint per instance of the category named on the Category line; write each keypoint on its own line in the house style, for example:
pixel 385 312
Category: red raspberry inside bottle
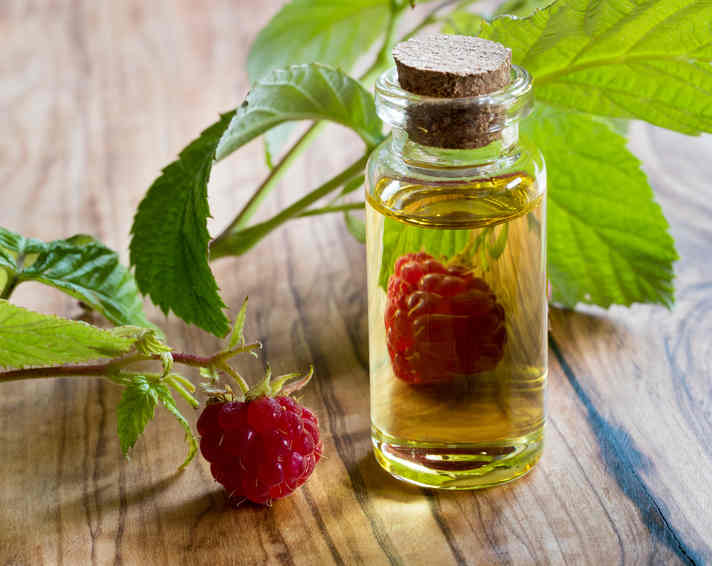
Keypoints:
pixel 442 322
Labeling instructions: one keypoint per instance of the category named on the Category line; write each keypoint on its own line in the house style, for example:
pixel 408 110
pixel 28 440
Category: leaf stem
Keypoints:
pixel 182 391
pixel 13 276
pixel 240 241
pixel 206 361
pixel 250 207
pixel 330 209
pixel 10 284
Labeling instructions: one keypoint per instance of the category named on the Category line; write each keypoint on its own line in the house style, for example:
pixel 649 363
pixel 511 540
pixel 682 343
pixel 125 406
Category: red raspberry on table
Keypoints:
pixel 262 449
pixel 441 322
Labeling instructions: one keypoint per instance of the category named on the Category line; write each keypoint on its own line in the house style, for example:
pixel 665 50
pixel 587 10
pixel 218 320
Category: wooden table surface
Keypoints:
pixel 95 97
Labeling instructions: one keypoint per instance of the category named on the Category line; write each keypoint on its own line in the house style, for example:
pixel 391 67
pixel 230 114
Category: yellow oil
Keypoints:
pixel 474 430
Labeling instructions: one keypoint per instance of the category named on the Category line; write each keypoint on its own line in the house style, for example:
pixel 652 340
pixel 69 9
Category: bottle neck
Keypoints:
pixel 482 130
pixel 504 147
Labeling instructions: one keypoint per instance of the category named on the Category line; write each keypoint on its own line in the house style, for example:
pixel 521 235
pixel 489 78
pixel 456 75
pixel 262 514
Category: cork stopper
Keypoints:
pixel 453 66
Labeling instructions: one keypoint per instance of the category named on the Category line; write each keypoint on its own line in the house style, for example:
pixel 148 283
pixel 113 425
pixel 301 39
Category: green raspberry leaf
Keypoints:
pixel 302 92
pixel 333 32
pixel 608 238
pixel 135 409
pixel 79 266
pixel 166 399
pixel 521 8
pixel 29 338
pixel 646 60
pixel 169 244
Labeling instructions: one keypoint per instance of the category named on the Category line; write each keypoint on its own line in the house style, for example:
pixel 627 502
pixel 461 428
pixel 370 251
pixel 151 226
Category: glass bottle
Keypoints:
pixel 457 292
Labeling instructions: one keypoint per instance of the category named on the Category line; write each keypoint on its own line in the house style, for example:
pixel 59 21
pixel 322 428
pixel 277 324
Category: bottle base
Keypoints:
pixel 448 466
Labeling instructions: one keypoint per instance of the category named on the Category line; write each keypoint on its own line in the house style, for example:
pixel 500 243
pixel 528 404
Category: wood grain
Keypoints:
pixel 95 97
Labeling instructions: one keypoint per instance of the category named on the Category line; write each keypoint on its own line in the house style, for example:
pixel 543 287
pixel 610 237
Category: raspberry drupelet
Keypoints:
pixel 442 322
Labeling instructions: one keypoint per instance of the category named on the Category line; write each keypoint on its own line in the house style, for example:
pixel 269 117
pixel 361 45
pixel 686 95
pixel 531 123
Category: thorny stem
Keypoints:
pixel 111 367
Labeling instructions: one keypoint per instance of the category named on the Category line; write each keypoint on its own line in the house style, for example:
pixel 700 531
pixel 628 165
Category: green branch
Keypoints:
pixel 238 242
pixel 110 368
pixel 331 209
pixel 12 276
pixel 247 211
